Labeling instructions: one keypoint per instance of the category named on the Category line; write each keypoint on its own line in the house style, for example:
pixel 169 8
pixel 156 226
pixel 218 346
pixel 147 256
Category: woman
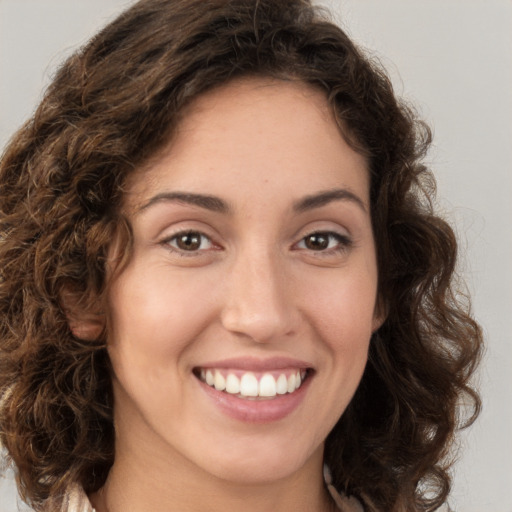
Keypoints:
pixel 221 274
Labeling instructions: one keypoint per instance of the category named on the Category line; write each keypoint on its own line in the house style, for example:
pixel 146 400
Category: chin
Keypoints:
pixel 257 464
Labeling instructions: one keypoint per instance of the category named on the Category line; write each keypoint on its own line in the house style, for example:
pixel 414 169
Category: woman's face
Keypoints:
pixel 254 269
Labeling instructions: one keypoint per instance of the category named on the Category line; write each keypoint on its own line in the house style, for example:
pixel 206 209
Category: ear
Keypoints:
pixel 379 315
pixel 85 323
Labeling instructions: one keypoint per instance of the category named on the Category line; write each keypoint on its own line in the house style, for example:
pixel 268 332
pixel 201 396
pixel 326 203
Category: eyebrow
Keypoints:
pixel 208 202
pixel 218 205
pixel 328 196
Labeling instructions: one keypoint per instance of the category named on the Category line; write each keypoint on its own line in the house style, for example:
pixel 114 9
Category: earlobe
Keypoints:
pixel 377 323
pixel 83 323
pixel 379 315
pixel 88 329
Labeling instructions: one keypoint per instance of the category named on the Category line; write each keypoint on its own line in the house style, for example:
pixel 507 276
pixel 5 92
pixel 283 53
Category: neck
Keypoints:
pixel 141 485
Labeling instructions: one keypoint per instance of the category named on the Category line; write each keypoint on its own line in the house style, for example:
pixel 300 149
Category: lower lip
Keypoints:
pixel 257 411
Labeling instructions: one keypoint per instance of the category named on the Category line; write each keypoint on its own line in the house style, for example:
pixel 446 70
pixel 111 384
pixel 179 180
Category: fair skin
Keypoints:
pixel 253 257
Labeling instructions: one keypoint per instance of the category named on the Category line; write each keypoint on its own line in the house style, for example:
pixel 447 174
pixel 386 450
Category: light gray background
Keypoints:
pixel 453 59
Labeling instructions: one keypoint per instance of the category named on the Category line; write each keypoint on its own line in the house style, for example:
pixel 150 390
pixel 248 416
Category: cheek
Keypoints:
pixel 343 308
pixel 155 316
pixel 341 311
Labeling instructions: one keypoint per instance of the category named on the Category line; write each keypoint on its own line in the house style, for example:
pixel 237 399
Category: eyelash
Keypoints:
pixel 168 242
pixel 343 242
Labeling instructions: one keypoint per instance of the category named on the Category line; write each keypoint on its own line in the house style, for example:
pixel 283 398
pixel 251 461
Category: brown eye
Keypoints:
pixel 317 241
pixel 324 241
pixel 190 241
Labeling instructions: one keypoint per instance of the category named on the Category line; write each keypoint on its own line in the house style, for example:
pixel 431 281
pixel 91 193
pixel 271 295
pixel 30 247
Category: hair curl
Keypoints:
pixel 114 104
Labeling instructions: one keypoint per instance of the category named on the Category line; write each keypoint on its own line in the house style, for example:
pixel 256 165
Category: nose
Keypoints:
pixel 259 299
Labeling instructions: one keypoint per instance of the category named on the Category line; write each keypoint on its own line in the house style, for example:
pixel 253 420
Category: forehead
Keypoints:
pixel 253 131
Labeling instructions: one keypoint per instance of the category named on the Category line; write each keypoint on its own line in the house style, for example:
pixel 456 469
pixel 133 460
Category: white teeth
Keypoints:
pixel 249 385
pixel 282 384
pixel 267 385
pixel 232 384
pixel 219 382
pixel 291 383
pixel 298 381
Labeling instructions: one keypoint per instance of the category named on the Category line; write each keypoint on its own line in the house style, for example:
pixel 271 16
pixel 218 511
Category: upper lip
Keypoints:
pixel 257 364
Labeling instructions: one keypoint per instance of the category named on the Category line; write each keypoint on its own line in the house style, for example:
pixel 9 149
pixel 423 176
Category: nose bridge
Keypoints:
pixel 258 301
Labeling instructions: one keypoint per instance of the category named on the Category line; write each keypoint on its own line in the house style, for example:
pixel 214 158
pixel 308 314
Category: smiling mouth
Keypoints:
pixel 253 385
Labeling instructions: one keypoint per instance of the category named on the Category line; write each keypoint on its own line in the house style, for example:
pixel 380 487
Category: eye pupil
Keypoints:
pixel 189 241
pixel 317 242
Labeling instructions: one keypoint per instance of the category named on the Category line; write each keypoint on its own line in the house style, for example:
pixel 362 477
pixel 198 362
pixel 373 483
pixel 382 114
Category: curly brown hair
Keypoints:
pixel 114 104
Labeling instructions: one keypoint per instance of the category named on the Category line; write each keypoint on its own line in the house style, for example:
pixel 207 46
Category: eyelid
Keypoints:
pixel 344 240
pixel 166 242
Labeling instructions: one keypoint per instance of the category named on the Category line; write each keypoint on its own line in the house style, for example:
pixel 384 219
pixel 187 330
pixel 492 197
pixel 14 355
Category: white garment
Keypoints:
pixel 77 501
